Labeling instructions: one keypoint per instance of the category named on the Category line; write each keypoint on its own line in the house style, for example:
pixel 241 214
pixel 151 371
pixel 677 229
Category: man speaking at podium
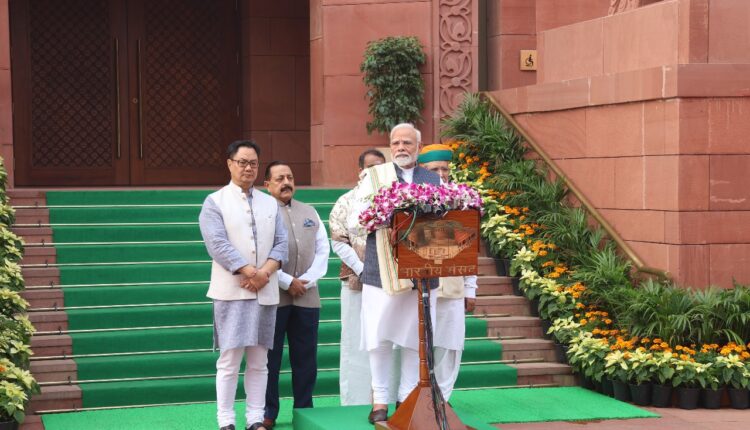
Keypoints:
pixel 389 305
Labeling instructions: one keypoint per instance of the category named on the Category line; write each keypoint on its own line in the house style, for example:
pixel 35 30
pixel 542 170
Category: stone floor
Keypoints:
pixel 671 419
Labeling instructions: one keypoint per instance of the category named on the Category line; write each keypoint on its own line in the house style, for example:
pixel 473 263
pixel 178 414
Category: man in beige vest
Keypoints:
pixel 298 313
pixel 246 238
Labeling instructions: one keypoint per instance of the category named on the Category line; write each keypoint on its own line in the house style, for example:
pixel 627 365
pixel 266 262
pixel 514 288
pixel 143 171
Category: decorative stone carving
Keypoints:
pixel 455 60
pixel 617 6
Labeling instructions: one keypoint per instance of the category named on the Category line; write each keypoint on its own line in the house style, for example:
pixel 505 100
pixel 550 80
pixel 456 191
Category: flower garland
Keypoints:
pixel 425 198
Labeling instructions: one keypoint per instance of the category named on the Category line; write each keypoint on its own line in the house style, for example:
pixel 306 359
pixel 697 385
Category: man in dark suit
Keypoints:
pixel 389 308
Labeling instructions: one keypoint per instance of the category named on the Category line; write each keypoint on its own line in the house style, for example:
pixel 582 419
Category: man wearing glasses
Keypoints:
pixel 246 238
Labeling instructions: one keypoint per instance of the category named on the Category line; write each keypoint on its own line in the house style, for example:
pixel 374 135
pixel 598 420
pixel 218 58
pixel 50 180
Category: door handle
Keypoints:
pixel 140 100
pixel 117 97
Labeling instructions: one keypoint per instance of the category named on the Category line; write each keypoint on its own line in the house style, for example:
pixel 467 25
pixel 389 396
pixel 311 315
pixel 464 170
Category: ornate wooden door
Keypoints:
pixel 118 92
pixel 186 76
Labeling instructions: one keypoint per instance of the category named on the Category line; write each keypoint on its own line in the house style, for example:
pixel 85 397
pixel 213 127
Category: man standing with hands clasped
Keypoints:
pixel 298 314
pixel 247 241
pixel 456 294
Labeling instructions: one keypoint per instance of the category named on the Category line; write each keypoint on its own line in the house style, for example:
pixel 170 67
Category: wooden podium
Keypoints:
pixel 431 247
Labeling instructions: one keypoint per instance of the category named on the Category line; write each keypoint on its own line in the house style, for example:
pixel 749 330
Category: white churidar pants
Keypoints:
pixel 450 333
pixel 354 365
pixel 388 321
pixel 256 377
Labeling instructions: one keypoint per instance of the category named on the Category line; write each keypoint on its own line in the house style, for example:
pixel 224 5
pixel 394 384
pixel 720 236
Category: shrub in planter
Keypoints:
pixel 641 366
pixel 661 395
pixel 734 373
pixel 586 355
pixel 395 87
pixel 689 377
pixel 16 386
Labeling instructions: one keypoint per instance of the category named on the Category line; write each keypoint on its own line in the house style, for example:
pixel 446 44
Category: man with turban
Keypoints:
pixel 456 295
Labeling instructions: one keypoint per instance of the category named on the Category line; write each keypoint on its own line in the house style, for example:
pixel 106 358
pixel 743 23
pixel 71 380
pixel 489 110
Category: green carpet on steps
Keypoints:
pixel 187 374
pixel 475 407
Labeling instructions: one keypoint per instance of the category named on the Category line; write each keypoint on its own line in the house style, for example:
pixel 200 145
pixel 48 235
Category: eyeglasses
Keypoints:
pixel 244 163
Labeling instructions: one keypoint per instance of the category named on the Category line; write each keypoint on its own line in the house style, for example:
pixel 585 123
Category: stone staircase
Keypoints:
pixel 508 318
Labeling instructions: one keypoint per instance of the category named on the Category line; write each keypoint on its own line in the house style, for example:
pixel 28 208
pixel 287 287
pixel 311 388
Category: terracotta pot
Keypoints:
pixel 661 396
pixel 740 398
pixel 711 399
pixel 621 391
pixel 687 398
pixel 641 393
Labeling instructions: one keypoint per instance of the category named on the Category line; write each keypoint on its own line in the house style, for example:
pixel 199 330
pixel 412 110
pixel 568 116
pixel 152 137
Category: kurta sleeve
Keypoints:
pixel 215 237
pixel 280 249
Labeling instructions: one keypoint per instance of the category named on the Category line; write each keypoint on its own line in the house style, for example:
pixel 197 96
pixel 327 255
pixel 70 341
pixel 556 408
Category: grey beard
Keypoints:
pixel 403 161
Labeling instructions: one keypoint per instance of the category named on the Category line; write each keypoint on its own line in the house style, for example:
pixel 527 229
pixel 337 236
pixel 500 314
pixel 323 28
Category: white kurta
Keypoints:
pixel 392 318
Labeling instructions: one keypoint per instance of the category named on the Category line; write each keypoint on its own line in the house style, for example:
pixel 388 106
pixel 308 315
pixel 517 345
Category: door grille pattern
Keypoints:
pixel 72 96
pixel 182 89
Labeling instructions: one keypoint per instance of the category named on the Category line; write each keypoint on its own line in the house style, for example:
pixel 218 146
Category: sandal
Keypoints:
pixel 378 415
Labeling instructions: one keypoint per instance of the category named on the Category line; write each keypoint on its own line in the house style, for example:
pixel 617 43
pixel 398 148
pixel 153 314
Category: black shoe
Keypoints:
pixel 397 404
pixel 378 416
pixel 257 426
pixel 229 427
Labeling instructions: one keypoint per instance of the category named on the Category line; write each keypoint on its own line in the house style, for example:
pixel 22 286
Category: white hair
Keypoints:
pixel 410 126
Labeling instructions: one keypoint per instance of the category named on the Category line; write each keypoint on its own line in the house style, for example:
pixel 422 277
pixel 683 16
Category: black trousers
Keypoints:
pixel 300 326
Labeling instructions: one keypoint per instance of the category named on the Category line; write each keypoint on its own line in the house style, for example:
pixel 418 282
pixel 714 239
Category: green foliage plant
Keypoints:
pixel 529 219
pixel 16 383
pixel 394 84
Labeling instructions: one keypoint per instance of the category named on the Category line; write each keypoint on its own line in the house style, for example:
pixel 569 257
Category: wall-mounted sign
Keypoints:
pixel 528 59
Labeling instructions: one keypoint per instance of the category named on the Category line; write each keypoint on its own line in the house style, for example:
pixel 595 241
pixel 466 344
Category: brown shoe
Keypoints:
pixel 269 423
pixel 378 416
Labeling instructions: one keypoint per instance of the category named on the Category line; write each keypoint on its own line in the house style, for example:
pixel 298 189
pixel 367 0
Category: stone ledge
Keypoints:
pixel 658 83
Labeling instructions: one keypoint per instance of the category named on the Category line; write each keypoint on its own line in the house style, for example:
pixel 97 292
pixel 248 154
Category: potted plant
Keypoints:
pixel 563 330
pixel 734 373
pixel 616 369
pixel 16 386
pixel 661 391
pixel 641 368
pixel 689 377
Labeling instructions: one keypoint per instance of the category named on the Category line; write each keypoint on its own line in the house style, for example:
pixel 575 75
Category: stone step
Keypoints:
pixel 54 370
pixel 494 286
pixel 487 266
pixel 32 216
pixel 519 349
pixel 51 345
pixel 32 422
pixel 41 275
pixel 34 234
pixel 49 320
pixel 27 197
pixel 527 326
pixel 39 255
pixel 56 397
pixel 47 298
pixel 514 305
pixel 545 373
